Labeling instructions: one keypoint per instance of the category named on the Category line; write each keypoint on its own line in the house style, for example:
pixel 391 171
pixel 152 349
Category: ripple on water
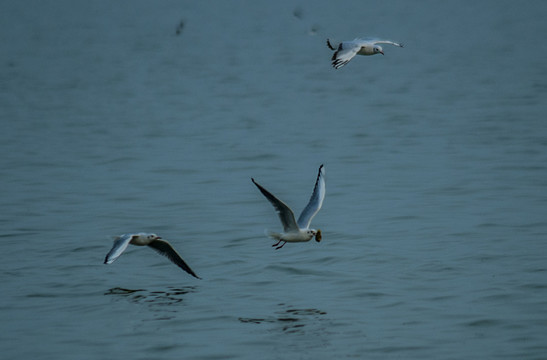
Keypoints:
pixel 171 296
pixel 291 320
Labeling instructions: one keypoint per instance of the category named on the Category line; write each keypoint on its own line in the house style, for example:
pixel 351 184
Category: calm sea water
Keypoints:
pixel 434 225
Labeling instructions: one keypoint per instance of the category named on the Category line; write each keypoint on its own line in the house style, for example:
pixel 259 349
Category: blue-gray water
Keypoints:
pixel 434 224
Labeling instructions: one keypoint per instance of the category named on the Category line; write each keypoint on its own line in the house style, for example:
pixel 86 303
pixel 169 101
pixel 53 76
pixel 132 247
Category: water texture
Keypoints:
pixel 153 116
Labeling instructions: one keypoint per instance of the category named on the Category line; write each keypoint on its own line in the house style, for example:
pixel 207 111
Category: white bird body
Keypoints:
pixel 141 239
pixel 297 231
pixel 370 50
pixel 295 236
pixel 346 50
pixel 146 239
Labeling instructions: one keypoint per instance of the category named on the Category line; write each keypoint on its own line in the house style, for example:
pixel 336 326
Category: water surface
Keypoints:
pixel 434 222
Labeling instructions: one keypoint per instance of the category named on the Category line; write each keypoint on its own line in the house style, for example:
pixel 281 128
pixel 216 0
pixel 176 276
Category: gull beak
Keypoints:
pixel 318 235
pixel 381 52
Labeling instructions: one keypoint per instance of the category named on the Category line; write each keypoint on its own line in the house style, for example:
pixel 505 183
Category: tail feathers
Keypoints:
pixel 273 234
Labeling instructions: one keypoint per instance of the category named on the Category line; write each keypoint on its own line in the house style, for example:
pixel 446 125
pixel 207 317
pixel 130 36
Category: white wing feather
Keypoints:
pixel 387 42
pixel 315 203
pixel 345 52
pixel 120 244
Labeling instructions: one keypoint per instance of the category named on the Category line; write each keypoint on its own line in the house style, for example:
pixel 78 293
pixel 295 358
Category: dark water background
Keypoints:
pixel 434 225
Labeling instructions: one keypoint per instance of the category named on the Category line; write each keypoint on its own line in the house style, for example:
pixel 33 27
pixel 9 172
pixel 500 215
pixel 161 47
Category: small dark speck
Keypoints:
pixel 314 30
pixel 298 13
pixel 180 26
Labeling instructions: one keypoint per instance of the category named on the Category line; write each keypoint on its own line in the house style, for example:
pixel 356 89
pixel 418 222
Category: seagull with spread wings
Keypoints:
pixel 346 50
pixel 154 241
pixel 297 231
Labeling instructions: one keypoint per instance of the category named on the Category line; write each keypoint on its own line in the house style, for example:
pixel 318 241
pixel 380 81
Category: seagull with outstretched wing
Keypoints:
pixel 154 241
pixel 346 50
pixel 293 230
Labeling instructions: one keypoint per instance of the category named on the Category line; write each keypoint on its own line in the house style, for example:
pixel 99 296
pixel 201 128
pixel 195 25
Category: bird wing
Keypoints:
pixel 346 51
pixel 386 42
pixel 316 201
pixel 331 46
pixel 165 249
pixel 285 213
pixel 120 244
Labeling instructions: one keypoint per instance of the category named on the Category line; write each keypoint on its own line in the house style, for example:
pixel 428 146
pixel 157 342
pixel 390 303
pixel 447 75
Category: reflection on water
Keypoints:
pixel 173 295
pixel 291 320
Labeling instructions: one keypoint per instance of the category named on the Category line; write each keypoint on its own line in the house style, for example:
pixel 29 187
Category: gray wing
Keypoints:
pixel 165 249
pixel 345 52
pixel 316 201
pixel 285 213
pixel 120 244
pixel 387 42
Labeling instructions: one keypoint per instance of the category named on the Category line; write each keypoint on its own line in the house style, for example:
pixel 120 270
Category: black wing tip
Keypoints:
pixel 257 184
pixel 184 266
pixel 191 272
pixel 337 63
pixel 254 182
pixel 319 173
pixel 187 268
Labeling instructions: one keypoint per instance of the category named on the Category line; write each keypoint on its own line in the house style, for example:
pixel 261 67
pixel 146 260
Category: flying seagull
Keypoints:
pixel 297 231
pixel 346 50
pixel 154 241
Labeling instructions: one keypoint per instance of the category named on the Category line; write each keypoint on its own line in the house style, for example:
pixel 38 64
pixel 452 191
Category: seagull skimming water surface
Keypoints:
pixel 154 241
pixel 297 231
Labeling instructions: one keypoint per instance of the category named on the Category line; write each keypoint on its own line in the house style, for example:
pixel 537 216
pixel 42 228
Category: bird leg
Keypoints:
pixel 277 243
pixel 279 247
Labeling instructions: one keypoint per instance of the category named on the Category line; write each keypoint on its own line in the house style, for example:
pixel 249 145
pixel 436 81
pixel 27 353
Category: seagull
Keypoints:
pixel 154 241
pixel 297 231
pixel 346 50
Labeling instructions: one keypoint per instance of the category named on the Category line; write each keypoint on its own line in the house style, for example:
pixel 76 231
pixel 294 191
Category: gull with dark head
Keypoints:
pixel 142 239
pixel 297 231
pixel 346 50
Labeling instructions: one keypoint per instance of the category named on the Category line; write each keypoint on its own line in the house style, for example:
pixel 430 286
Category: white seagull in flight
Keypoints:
pixel 297 231
pixel 346 50
pixel 154 241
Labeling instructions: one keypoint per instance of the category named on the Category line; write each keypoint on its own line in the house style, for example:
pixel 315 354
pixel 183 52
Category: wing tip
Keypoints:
pixel 337 63
pixel 254 182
